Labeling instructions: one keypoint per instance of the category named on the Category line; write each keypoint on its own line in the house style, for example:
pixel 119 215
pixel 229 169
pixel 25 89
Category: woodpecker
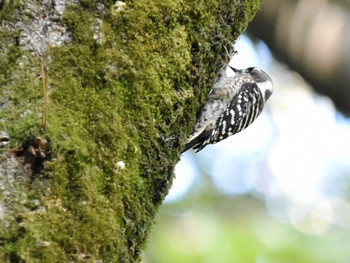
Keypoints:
pixel 232 105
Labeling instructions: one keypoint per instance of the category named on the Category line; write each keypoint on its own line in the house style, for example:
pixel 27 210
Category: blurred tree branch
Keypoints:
pixel 312 37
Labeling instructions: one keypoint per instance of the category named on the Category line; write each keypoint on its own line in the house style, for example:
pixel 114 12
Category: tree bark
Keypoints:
pixel 96 101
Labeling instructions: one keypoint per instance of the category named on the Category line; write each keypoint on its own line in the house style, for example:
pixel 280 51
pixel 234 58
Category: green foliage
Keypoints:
pixel 125 89
pixel 226 229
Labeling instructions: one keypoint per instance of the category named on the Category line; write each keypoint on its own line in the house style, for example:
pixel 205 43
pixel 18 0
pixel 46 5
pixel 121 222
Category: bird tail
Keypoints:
pixel 197 143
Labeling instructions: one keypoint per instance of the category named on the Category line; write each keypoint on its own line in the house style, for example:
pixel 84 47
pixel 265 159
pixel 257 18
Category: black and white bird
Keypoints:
pixel 233 104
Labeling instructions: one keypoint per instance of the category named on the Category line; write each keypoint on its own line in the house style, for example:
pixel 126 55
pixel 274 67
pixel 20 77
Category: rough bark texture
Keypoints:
pixel 124 82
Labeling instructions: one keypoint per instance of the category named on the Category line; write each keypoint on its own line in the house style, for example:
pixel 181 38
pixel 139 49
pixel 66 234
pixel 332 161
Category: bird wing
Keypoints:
pixel 244 108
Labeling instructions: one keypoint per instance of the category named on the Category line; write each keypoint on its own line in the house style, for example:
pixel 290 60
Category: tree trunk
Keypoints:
pixel 96 101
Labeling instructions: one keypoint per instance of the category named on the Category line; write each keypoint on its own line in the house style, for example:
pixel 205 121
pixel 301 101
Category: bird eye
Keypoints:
pixel 248 70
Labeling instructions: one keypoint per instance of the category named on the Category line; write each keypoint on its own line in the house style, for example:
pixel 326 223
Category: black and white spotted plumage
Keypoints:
pixel 233 104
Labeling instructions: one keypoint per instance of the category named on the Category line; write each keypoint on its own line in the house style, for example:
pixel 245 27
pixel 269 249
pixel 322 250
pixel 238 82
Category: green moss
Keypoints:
pixel 132 97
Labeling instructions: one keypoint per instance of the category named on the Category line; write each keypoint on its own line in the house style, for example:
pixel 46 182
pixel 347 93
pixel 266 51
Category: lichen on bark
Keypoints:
pixel 125 81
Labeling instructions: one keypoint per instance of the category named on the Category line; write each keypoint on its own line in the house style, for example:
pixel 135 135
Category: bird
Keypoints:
pixel 233 103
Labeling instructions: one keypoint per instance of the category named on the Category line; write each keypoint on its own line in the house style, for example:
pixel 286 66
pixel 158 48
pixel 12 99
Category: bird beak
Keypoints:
pixel 234 69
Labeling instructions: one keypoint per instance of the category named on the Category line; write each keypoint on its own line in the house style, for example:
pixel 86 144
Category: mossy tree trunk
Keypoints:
pixel 96 101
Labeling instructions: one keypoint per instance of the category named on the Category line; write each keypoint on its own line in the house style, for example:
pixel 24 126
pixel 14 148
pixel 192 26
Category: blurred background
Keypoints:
pixel 278 192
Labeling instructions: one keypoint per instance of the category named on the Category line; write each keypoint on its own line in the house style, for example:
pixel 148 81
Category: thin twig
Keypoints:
pixel 45 77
